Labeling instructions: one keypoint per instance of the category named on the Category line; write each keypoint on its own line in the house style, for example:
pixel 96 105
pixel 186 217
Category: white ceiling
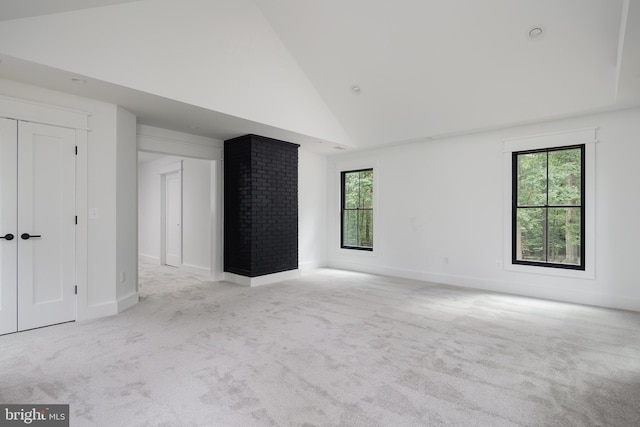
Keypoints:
pixel 16 9
pixel 430 68
pixel 426 69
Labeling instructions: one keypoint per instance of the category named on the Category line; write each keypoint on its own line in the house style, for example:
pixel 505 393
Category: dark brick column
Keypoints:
pixel 260 206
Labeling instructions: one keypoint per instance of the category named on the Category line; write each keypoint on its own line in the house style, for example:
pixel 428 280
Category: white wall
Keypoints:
pixel 196 215
pixel 109 127
pixel 444 199
pixel 126 208
pixel 196 211
pixel 312 211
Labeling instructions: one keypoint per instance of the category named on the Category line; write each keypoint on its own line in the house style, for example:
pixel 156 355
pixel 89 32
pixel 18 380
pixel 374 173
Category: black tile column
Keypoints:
pixel 260 206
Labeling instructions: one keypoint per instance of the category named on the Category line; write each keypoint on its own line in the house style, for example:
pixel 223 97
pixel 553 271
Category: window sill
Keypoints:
pixel 357 252
pixel 550 271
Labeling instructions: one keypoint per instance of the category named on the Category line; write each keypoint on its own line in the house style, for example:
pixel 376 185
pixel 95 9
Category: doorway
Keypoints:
pixel 178 214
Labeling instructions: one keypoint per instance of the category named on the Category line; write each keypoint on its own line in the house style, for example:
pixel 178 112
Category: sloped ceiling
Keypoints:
pixel 220 61
pixel 425 69
pixel 16 9
pixel 432 68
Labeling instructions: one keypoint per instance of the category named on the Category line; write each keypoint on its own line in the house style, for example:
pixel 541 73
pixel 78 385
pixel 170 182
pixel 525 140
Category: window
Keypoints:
pixel 357 210
pixel 548 207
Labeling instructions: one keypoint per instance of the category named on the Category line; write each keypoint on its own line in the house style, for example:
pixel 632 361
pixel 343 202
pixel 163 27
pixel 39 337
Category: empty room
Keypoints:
pixel 319 213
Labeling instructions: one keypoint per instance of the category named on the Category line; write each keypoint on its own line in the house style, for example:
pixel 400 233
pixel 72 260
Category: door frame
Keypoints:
pixel 22 110
pixel 163 213
pixel 170 143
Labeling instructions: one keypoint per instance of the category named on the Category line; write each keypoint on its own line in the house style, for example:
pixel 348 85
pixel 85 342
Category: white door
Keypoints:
pixel 8 226
pixel 173 219
pixel 44 243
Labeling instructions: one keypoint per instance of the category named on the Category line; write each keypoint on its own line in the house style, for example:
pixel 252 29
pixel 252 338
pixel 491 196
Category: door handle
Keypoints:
pixel 27 236
pixel 8 236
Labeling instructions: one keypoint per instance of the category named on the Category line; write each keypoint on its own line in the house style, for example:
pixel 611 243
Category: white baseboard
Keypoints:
pixel 311 265
pixel 522 289
pixel 148 259
pixel 194 269
pixel 128 302
pixel 97 311
pixel 261 280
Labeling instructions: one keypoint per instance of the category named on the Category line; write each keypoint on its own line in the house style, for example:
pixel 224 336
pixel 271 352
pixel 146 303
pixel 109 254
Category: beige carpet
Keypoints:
pixel 332 348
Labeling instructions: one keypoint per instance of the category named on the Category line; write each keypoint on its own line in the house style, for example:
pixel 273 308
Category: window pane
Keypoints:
pixel 564 235
pixel 366 189
pixel 350 228
pixel 565 177
pixel 351 190
pixel 530 234
pixel 357 212
pixel 532 179
pixel 365 228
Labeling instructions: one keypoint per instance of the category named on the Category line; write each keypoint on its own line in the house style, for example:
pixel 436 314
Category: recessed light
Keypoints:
pixel 355 89
pixel 78 80
pixel 536 32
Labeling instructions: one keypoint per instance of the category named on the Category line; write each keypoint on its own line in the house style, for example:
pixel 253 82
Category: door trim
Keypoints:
pixel 163 212
pixel 19 109
pixel 9 225
pixel 30 111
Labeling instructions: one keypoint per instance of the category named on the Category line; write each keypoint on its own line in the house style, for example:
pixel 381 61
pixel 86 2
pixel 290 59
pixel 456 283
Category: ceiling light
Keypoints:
pixel 339 148
pixel 535 32
pixel 78 80
pixel 355 89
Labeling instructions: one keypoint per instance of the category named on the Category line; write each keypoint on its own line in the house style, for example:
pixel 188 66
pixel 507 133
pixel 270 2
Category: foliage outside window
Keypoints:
pixel 357 210
pixel 548 207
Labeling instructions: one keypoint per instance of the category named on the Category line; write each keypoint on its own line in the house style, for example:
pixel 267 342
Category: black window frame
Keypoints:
pixel 343 208
pixel 546 206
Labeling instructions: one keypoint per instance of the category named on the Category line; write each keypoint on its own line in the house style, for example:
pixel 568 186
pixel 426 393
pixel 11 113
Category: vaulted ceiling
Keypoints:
pixel 349 73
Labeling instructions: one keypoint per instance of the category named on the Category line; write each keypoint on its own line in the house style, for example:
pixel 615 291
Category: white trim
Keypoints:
pixel 621 39
pixel 127 302
pixel 261 280
pixel 551 140
pixel 217 221
pixel 357 164
pixel 585 136
pixel 148 259
pixel 537 290
pixel 168 142
pixel 180 137
pixel 168 168
pixel 163 212
pixel 311 265
pixel 194 269
pixel 97 311
pixel 19 109
pixel 82 234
